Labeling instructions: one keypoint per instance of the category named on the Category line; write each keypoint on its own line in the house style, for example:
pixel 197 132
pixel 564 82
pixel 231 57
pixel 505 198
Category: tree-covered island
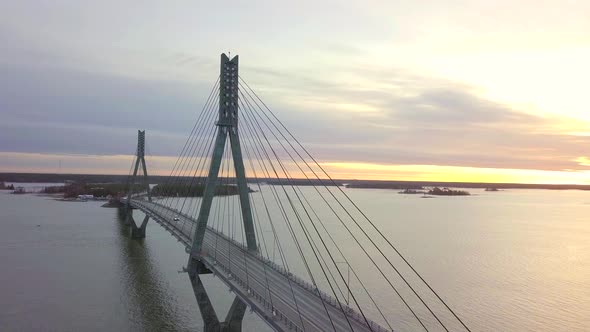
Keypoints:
pixel 447 192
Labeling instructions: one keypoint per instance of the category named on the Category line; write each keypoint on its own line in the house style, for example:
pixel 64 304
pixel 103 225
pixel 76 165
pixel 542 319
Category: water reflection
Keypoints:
pixel 152 308
pixel 517 260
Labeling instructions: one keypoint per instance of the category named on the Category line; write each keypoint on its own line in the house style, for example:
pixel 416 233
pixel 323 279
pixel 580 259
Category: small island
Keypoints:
pixel 492 189
pixel 408 191
pixel 194 190
pixel 114 191
pixel 80 190
pixel 447 192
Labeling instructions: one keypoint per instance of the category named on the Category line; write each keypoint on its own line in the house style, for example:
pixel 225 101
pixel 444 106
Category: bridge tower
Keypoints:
pixel 227 126
pixel 138 232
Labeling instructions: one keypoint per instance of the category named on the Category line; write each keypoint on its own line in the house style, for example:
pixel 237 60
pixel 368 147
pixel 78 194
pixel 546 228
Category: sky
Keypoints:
pixel 485 91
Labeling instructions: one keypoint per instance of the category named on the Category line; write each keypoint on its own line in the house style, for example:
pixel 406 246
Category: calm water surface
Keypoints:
pixel 515 260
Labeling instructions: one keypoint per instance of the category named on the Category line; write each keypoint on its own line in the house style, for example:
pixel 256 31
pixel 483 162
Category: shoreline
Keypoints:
pixel 355 183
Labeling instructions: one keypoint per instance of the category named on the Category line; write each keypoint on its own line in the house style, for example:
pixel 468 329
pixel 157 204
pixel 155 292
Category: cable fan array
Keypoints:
pixel 305 222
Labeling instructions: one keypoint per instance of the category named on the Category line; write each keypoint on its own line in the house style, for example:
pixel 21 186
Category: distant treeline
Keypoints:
pixel 157 179
pixel 420 184
pixel 195 190
pixel 447 192
pixel 153 179
pixel 3 186
pixel 384 185
pixel 79 178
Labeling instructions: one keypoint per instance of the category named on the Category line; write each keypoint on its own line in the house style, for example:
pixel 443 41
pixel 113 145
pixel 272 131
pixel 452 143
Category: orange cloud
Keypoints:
pixel 160 165
pixel 454 174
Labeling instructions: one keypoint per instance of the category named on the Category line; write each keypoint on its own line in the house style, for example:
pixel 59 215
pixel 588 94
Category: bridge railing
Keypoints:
pixel 348 311
pixel 276 313
pixel 177 232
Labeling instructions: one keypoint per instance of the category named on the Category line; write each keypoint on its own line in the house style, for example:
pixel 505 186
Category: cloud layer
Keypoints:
pixel 80 79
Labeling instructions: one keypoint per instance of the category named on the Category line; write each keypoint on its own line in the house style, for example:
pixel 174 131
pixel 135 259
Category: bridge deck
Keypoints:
pixel 283 300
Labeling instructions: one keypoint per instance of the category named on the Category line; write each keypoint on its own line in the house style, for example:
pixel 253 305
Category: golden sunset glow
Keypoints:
pixel 92 164
pixel 453 174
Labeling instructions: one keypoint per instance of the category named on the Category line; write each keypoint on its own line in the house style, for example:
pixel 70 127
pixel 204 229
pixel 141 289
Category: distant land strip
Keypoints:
pixel 369 184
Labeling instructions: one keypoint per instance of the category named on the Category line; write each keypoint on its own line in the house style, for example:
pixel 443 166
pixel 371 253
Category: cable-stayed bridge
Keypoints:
pixel 254 208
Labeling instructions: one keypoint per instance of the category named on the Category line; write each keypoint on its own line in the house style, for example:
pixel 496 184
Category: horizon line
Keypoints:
pixel 342 181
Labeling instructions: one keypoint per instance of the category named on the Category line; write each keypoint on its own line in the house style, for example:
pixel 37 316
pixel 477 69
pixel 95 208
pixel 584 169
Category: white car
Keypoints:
pixel 176 219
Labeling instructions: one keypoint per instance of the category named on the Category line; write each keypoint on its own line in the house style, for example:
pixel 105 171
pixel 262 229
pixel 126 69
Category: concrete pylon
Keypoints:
pixel 227 124
pixel 138 231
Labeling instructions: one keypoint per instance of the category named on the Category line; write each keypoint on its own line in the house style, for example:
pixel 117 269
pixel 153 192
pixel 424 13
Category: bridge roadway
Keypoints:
pixel 285 301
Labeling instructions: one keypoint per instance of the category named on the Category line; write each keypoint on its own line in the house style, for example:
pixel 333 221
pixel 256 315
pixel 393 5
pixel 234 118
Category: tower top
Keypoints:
pixel 140 143
pixel 226 58
pixel 228 92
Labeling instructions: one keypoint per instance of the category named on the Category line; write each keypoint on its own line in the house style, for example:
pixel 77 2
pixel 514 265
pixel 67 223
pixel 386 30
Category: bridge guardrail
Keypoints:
pixel 348 311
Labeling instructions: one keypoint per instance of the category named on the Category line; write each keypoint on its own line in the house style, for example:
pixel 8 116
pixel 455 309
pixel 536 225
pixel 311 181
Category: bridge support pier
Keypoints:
pixel 136 232
pixel 228 127
pixel 139 232
pixel 125 212
pixel 234 317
